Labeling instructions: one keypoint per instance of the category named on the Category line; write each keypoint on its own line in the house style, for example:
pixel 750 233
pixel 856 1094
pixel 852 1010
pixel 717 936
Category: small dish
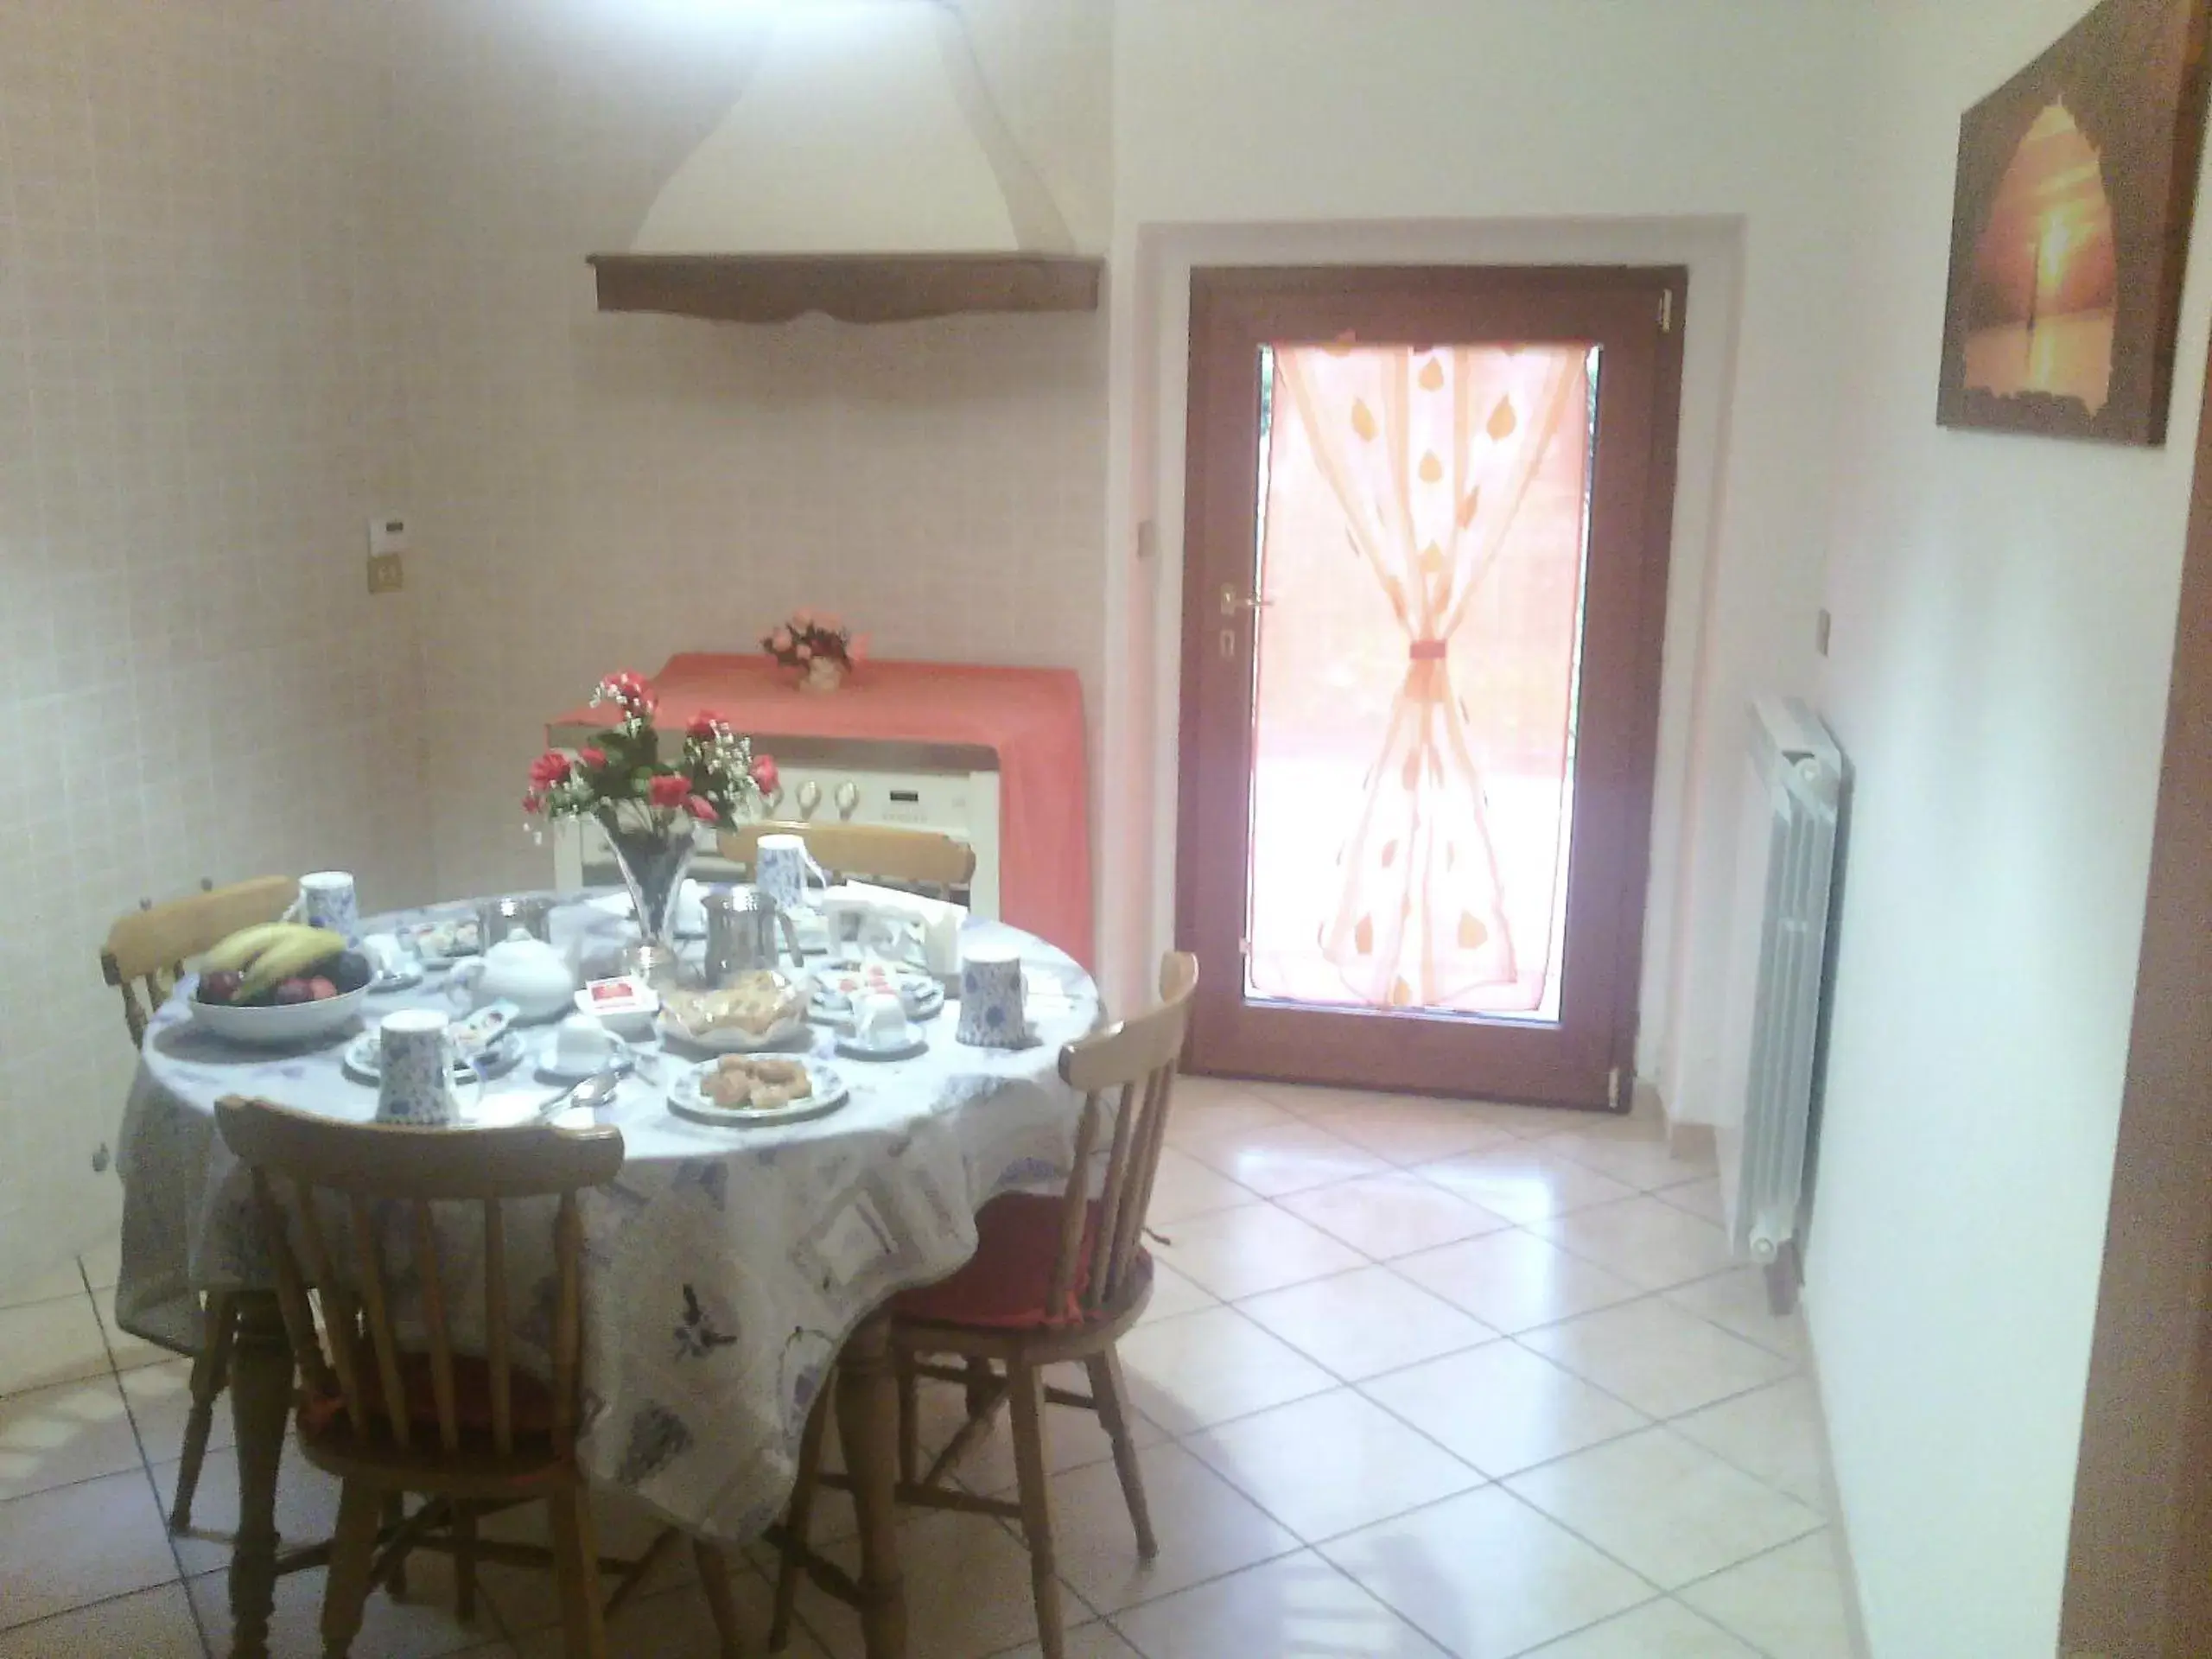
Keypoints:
pixel 444 941
pixel 399 979
pixel 550 1069
pixel 686 1100
pixel 625 1005
pixel 364 1059
pixel 854 1048
pixel 836 988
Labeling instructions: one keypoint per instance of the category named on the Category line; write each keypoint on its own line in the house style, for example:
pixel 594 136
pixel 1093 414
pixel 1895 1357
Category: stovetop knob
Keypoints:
pixel 810 797
pixel 849 797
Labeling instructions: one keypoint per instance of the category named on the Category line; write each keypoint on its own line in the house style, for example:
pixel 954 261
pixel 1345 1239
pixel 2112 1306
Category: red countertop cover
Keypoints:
pixel 1032 717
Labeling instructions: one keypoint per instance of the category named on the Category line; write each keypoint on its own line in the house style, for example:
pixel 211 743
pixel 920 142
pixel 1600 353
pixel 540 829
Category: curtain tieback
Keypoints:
pixel 1426 650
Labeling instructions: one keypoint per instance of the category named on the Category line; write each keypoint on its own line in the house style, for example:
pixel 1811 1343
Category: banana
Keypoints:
pixel 297 951
pixel 231 955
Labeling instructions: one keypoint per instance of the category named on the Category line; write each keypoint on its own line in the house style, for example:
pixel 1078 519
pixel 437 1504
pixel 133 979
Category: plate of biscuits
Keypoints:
pixel 752 1090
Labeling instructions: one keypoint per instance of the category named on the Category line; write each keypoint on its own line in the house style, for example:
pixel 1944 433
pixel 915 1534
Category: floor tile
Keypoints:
pixel 1633 1150
pixel 103 1264
pixel 967 1589
pixel 1297 1605
pixel 1658 1358
pixel 1670 1509
pixel 1205 1526
pixel 1097 1640
pixel 1073 1437
pixel 160 1398
pixel 125 1350
pixel 155 1624
pixel 1326 1465
pixel 423 1625
pixel 1523 1184
pixel 1365 1322
pixel 1774 1433
pixel 1649 1243
pixel 63 1548
pixel 1203 1108
pixel 1790 1604
pixel 72 1432
pixel 1383 1215
pixel 1184 1187
pixel 1174 1295
pixel 1402 1128
pixel 1514 1280
pixel 675 1624
pixel 1503 1408
pixel 1280 1158
pixel 1700 1198
pixel 529 1599
pixel 307 1506
pixel 65 1279
pixel 1658 1629
pixel 1737 1300
pixel 1236 1252
pixel 45 1343
pixel 1485 1575
pixel 1208 1367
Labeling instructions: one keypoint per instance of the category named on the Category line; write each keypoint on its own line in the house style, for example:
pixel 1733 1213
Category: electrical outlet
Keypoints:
pixel 386 574
pixel 388 535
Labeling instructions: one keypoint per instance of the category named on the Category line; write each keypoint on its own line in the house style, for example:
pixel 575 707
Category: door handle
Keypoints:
pixel 1232 601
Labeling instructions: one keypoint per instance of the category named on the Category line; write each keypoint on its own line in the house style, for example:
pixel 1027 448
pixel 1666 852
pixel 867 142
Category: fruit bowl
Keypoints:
pixel 281 1025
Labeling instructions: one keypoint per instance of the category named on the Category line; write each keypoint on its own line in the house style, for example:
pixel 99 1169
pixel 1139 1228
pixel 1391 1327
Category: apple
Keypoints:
pixel 321 989
pixel 220 985
pixel 294 990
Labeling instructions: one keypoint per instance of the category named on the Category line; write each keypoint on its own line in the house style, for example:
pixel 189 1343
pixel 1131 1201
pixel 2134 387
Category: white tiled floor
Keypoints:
pixel 1418 1379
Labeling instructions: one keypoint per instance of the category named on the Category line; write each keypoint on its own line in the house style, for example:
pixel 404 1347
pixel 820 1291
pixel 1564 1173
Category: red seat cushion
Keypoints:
pixel 1006 1284
pixel 529 1398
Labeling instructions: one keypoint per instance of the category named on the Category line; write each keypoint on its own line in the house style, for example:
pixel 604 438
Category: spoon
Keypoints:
pixel 591 1092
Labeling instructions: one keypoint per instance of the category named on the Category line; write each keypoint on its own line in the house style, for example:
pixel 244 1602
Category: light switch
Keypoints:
pixel 387 535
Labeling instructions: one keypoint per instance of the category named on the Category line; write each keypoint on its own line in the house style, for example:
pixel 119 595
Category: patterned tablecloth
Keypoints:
pixel 725 1266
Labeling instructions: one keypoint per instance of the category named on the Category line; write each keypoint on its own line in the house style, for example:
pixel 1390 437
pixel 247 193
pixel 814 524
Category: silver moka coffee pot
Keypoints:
pixel 745 931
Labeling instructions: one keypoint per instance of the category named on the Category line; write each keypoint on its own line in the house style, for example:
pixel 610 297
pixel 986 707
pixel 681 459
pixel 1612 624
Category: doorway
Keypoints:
pixel 1425 580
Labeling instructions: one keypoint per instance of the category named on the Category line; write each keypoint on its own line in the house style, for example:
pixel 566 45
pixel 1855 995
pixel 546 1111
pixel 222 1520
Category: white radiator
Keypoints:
pixel 1793 787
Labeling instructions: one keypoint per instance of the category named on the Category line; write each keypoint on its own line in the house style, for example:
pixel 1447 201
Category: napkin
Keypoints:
pixel 936 921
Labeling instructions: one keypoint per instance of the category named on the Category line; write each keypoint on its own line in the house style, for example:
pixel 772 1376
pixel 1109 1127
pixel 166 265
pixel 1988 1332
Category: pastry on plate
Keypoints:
pixel 747 1082
pixel 753 1004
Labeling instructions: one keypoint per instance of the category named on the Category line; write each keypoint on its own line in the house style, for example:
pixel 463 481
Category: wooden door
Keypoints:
pixel 1425 580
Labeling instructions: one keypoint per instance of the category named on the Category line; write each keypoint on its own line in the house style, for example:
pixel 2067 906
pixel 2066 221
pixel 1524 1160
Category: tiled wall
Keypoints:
pixel 199 384
pixel 599 491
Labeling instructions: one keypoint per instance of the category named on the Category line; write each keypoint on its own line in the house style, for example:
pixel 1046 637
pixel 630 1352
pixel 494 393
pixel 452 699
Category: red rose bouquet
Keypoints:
pixel 650 802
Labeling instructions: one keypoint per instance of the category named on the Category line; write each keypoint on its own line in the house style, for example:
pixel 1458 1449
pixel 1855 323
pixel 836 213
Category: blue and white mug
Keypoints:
pixel 415 1070
pixel 782 869
pixel 992 996
pixel 327 900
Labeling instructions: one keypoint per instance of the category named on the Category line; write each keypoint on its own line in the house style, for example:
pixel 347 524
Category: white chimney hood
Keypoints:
pixel 864 170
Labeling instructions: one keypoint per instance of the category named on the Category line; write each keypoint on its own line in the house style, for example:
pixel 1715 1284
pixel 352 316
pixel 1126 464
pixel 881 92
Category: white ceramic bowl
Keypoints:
pixel 286 1025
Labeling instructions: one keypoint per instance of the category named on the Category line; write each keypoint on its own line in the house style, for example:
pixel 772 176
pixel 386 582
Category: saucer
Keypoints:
pixel 400 980
pixel 622 1063
pixel 854 1049
pixel 364 1059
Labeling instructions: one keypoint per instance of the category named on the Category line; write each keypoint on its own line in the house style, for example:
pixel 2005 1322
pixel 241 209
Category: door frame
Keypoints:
pixel 1664 290
pixel 2138 1571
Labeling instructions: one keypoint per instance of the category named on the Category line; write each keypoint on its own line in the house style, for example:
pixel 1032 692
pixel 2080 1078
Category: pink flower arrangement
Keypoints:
pixel 626 783
pixel 811 636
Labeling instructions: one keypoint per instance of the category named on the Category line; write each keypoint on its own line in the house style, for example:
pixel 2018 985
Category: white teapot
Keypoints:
pixel 522 969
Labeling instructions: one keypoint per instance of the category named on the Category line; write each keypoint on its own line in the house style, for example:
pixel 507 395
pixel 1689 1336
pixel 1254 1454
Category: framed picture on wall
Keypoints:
pixel 2070 232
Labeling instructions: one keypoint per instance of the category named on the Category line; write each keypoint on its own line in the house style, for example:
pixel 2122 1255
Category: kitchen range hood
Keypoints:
pixel 864 171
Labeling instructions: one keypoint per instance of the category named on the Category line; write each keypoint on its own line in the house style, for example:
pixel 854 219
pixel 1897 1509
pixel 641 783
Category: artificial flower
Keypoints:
pixel 765 775
pixel 593 757
pixel 669 789
pixel 701 809
pixel 549 768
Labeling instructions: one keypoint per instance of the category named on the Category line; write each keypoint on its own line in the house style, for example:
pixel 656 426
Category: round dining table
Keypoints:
pixel 728 1269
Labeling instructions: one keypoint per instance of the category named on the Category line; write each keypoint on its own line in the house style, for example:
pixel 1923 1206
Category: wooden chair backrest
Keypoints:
pixel 374 1165
pixel 1127 1072
pixel 150 946
pixel 921 859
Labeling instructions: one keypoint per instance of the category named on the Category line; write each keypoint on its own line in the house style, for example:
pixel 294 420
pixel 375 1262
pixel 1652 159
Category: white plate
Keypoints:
pixel 835 988
pixel 441 943
pixel 404 979
pixel 685 1101
pixel 620 1063
pixel 853 1049
pixel 364 1059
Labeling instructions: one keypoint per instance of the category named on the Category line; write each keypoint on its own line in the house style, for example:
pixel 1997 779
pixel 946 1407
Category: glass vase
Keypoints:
pixel 652 863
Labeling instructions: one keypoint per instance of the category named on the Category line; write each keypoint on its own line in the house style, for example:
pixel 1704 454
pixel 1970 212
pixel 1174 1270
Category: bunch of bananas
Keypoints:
pixel 264 954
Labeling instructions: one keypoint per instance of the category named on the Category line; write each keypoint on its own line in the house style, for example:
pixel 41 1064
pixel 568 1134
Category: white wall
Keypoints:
pixel 198 393
pixel 2004 613
pixel 1578 127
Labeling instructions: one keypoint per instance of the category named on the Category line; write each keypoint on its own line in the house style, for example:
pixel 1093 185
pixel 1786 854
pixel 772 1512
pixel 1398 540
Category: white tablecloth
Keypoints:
pixel 724 1267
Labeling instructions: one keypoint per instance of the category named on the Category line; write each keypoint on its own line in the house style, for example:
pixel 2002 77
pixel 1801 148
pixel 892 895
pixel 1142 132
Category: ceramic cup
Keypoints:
pixel 879 1021
pixel 582 1045
pixel 415 1075
pixel 327 900
pixel 991 1013
pixel 782 869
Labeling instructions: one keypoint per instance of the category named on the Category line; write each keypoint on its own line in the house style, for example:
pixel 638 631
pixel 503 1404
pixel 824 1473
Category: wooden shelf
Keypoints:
pixel 852 287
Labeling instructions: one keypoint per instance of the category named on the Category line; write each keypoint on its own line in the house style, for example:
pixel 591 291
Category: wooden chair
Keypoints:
pixel 928 862
pixel 471 1434
pixel 1054 1278
pixel 148 950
